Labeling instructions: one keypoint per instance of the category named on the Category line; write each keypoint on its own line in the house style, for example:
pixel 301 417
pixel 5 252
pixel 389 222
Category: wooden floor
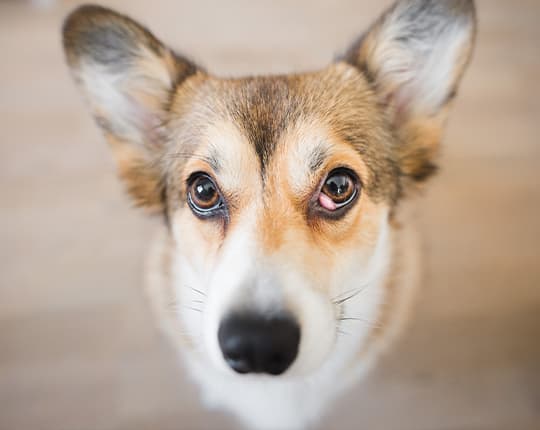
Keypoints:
pixel 78 349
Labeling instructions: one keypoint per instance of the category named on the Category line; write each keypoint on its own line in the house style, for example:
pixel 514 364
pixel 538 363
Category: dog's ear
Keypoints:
pixel 414 57
pixel 128 78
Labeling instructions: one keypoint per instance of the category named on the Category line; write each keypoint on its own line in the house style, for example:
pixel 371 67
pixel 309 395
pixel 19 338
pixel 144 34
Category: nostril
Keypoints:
pixel 276 364
pixel 239 364
pixel 237 354
pixel 252 343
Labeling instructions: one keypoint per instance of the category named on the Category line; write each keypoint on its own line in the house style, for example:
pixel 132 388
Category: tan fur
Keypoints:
pixel 403 280
pixel 269 143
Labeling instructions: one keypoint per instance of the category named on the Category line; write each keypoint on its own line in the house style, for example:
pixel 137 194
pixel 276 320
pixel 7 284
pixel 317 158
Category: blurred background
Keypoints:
pixel 78 347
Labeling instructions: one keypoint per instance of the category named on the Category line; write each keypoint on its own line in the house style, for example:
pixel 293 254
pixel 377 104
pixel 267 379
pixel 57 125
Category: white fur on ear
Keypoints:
pixel 125 73
pixel 414 57
pixel 127 77
pixel 124 103
pixel 416 52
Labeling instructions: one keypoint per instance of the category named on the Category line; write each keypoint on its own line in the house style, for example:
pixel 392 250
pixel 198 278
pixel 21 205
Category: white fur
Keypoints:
pixel 301 395
pixel 105 96
pixel 209 284
pixel 115 94
pixel 421 66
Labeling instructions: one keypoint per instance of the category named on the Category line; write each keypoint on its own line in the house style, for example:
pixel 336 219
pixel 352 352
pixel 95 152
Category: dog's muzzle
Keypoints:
pixel 257 344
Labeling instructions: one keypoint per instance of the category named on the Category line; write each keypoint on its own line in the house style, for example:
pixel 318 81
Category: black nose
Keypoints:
pixel 256 344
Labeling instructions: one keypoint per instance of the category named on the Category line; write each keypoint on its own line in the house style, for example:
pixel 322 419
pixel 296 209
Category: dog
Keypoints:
pixel 288 259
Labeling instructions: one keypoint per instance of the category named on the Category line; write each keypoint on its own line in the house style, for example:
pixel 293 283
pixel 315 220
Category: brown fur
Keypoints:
pixel 184 110
pixel 269 143
pixel 419 134
pixel 345 99
pixel 179 107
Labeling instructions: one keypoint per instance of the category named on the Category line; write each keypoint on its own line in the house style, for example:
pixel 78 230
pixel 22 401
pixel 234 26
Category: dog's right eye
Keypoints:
pixel 336 194
pixel 203 195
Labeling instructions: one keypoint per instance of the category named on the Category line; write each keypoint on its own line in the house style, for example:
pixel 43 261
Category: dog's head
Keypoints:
pixel 278 191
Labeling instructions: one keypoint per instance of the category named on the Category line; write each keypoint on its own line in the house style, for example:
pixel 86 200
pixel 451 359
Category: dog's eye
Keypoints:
pixel 204 197
pixel 339 189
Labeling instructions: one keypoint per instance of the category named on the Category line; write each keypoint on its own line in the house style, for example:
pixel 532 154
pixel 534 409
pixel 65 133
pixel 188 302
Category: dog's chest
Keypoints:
pixel 266 404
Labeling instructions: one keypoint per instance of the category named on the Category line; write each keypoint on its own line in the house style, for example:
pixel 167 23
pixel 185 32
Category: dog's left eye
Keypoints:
pixel 339 190
pixel 204 197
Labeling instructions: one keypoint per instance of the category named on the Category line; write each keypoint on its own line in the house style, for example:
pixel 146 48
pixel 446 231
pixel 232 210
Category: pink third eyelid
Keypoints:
pixel 326 202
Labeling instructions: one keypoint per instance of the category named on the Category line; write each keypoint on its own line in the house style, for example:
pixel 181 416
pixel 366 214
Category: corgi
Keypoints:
pixel 288 260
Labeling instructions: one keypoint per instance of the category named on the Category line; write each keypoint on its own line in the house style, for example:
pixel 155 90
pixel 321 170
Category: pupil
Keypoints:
pixel 205 190
pixel 338 185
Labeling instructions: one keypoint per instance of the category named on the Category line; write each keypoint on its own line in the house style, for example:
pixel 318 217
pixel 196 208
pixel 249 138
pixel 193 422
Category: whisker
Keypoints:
pixel 344 293
pixel 351 319
pixel 349 297
pixel 373 324
pixel 349 294
pixel 198 291
pixel 193 309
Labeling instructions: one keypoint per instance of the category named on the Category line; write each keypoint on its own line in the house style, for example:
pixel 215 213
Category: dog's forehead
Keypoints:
pixel 250 120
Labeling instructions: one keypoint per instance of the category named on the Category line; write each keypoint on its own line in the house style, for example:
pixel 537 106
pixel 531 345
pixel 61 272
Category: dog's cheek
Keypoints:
pixel 195 255
pixel 197 240
pixel 356 233
pixel 316 317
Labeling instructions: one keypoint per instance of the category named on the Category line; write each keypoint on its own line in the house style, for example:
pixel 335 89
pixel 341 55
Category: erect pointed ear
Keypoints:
pixel 414 57
pixel 128 78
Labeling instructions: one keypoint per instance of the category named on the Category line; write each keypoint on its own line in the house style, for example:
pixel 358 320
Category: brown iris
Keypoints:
pixel 203 195
pixel 339 189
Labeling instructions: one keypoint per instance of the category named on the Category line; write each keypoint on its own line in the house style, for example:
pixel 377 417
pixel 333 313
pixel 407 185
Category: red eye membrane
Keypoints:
pixel 338 192
pixel 339 189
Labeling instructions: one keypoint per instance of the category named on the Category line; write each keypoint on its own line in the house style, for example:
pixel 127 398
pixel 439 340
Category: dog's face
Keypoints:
pixel 278 191
pixel 277 209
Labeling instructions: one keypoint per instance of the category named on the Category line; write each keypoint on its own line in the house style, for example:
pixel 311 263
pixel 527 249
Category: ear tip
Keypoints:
pixel 84 15
pixel 440 14
pixel 102 35
pixel 466 11
pixel 466 8
pixel 456 8
pixel 80 20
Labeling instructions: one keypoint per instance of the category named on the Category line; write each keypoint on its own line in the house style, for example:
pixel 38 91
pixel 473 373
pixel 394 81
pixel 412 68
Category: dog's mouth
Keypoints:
pixel 253 343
